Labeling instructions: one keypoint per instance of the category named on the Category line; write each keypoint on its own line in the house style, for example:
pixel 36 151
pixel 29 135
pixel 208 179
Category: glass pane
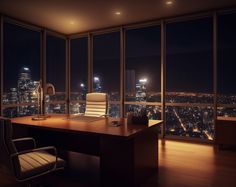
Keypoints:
pixel 78 68
pixel 142 64
pixel 195 122
pixel 189 78
pixel 56 65
pixel 189 62
pixel 226 64
pixel 77 107
pixel 106 64
pixel 55 108
pixel 10 112
pixel 114 110
pixel 185 97
pixel 153 112
pixel 226 111
pixel 56 73
pixel 21 70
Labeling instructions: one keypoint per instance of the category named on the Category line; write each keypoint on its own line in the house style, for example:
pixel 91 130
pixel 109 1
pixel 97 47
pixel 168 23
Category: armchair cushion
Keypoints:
pixel 34 163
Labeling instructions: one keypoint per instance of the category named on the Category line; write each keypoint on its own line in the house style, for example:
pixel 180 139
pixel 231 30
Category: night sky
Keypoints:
pixel 56 62
pixel 189 56
pixel 78 71
pixel 189 61
pixel 21 49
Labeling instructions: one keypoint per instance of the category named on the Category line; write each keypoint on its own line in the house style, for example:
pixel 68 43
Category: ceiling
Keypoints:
pixel 75 16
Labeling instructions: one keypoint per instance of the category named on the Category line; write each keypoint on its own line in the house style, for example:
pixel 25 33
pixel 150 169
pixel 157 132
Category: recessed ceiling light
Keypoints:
pixel 117 13
pixel 72 22
pixel 169 2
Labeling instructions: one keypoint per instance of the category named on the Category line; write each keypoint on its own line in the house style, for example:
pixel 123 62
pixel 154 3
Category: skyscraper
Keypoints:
pixel 25 91
pixel 130 82
pixel 141 89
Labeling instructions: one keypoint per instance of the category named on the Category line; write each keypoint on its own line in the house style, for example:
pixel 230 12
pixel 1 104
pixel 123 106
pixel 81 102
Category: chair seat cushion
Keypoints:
pixel 34 163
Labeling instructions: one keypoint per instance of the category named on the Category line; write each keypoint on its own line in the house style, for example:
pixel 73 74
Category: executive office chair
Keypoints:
pixel 28 164
pixel 96 104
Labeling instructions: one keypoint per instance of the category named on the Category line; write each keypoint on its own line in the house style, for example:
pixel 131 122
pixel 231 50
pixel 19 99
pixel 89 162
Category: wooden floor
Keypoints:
pixel 180 164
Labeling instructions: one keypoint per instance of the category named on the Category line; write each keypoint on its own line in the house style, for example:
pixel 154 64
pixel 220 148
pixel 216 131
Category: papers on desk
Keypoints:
pixel 115 124
pixel 85 118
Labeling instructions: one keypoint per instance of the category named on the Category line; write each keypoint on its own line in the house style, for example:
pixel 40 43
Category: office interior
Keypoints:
pixel 172 59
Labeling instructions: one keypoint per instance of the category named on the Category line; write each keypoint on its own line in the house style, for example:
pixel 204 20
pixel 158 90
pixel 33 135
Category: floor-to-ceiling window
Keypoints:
pixel 106 68
pixel 21 72
pixel 189 79
pixel 189 72
pixel 143 71
pixel 56 73
pixel 226 99
pixel 78 74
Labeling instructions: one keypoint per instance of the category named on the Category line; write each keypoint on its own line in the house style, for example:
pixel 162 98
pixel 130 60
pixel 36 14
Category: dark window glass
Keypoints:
pixel 21 71
pixel 142 64
pixel 189 66
pixel 226 64
pixel 106 67
pixel 189 78
pixel 56 72
pixel 106 64
pixel 78 73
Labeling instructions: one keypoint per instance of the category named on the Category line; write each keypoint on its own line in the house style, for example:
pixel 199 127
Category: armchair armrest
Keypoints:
pixel 25 139
pixel 105 115
pixel 38 149
pixel 80 114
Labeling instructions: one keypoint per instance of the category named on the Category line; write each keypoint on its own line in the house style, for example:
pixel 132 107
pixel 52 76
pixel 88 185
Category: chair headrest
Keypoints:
pixel 96 97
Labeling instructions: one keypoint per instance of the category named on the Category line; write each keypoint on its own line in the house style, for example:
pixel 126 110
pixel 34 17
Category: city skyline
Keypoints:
pixel 189 121
pixel 189 69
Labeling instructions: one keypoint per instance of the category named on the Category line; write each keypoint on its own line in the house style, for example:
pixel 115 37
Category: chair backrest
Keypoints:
pixel 96 104
pixel 7 147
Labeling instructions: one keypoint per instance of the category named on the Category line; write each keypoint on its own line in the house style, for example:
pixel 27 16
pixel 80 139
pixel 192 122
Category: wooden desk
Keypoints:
pixel 225 131
pixel 128 153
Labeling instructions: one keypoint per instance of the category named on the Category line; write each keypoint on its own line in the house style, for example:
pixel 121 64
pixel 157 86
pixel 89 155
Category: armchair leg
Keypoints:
pixel 25 184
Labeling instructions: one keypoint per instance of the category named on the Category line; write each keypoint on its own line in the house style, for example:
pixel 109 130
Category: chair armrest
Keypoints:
pixel 38 149
pixel 80 114
pixel 25 139
pixel 105 115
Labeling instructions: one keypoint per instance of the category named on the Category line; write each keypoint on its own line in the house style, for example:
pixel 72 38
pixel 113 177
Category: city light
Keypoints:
pixel 82 85
pixel 96 79
pixel 26 69
pixel 144 80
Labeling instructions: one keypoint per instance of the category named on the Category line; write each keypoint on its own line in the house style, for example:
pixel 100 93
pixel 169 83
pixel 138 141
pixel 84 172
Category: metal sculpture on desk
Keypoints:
pixel 50 90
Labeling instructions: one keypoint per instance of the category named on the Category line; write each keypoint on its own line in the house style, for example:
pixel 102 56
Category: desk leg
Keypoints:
pixel 128 162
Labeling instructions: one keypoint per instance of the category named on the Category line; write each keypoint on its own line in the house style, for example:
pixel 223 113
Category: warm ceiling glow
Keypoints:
pixel 169 2
pixel 72 22
pixel 117 13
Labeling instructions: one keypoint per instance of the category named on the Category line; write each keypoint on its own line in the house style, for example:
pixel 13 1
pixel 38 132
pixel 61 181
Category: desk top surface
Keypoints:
pixel 222 118
pixel 97 126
